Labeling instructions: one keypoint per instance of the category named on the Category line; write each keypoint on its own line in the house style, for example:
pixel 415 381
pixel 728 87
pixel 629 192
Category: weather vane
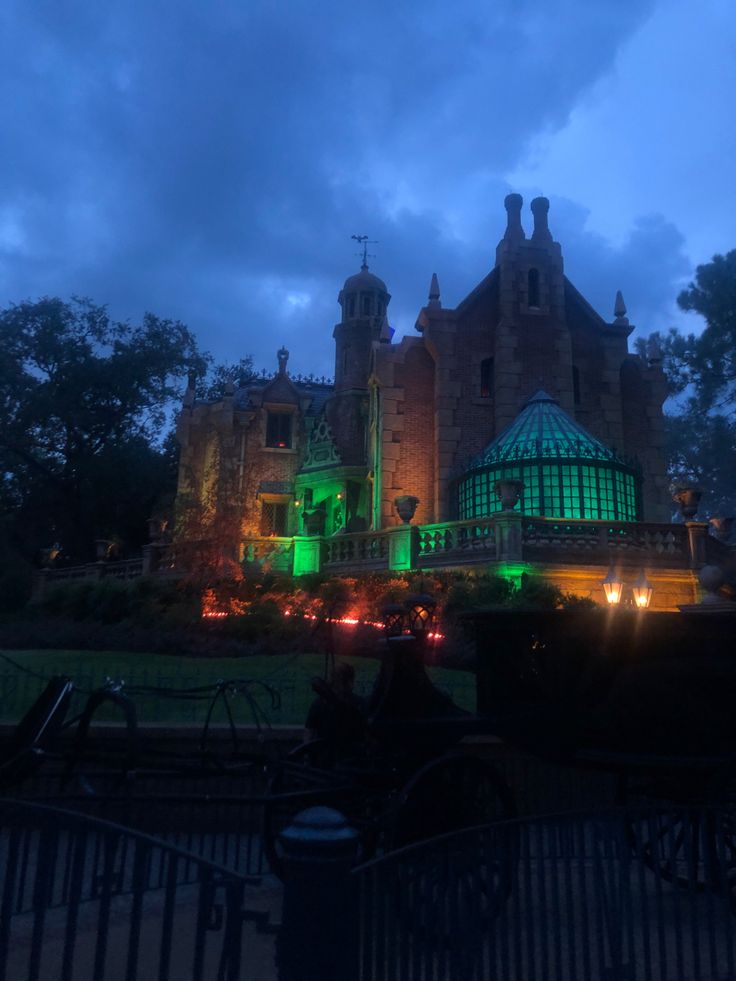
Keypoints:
pixel 365 242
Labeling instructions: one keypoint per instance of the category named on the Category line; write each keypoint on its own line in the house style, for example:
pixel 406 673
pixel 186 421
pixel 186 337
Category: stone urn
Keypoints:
pixel 103 547
pixel 314 521
pixel 722 527
pixel 508 491
pixel 711 577
pixel 156 528
pixel 406 506
pixel 688 499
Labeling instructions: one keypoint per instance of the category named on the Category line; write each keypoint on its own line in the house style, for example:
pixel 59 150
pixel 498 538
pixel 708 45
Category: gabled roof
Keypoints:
pixel 543 429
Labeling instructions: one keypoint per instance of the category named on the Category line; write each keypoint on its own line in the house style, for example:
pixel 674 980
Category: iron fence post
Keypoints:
pixel 318 940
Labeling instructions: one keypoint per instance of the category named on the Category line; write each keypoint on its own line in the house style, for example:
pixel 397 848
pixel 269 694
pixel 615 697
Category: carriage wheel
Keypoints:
pixel 692 846
pixel 310 777
pixel 691 849
pixel 304 774
pixel 449 794
pixel 462 878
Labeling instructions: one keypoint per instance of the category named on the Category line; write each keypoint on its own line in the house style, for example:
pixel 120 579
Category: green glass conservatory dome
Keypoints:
pixel 566 472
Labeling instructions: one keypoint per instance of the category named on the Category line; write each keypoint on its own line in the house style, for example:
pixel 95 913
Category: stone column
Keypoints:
pixel 507 526
pixel 307 554
pixel 403 547
pixel 697 534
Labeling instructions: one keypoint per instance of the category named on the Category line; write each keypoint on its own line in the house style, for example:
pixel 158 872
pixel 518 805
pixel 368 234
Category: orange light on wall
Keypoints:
pixel 613 587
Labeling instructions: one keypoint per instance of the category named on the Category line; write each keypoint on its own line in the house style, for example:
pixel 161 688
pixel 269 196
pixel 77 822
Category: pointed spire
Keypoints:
pixel 514 231
pixel 540 209
pixel 434 292
pixel 619 310
pixel 387 332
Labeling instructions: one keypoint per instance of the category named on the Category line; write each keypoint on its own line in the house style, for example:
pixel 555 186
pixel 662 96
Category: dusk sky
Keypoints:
pixel 210 161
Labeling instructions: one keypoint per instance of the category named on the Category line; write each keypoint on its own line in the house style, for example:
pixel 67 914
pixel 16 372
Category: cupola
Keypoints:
pixel 363 296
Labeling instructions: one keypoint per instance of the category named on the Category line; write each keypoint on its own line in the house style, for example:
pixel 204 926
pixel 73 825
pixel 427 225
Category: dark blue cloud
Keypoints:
pixel 210 162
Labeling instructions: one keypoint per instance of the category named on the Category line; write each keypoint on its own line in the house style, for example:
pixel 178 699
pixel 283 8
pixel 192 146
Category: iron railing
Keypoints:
pixel 632 896
pixel 84 899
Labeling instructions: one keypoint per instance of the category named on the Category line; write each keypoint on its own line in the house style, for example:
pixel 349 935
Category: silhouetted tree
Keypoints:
pixel 84 401
pixel 701 369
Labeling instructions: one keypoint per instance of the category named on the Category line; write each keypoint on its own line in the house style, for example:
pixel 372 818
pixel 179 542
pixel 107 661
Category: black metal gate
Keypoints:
pixel 619 895
pixel 82 898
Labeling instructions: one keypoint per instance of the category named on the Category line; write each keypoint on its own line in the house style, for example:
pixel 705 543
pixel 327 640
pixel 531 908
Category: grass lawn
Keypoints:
pixel 23 674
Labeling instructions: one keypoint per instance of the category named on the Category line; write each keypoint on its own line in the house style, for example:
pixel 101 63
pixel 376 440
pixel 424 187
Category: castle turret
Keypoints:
pixel 364 300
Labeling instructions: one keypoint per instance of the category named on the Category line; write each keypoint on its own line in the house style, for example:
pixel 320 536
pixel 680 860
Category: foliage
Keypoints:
pixel 220 376
pixel 706 363
pixel 84 400
pixel 701 371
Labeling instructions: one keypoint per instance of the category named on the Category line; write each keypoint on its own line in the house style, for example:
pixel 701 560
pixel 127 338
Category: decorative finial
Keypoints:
pixel 434 292
pixel 540 209
pixel 283 355
pixel 514 231
pixel 365 242
pixel 654 351
pixel 619 310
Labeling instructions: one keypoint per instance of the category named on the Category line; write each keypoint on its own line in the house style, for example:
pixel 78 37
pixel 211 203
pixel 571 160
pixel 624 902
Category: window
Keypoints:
pixel 351 306
pixel 278 430
pixel 533 284
pixel 366 310
pixel 273 518
pixel 486 378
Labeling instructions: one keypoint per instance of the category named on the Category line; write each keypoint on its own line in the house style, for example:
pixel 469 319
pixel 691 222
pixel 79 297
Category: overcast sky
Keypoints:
pixel 209 161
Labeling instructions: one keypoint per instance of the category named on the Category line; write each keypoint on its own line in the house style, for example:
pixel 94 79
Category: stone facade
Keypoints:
pixel 302 457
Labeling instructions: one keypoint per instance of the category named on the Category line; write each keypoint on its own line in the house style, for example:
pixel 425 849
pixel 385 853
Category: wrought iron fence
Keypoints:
pixel 88 899
pixel 634 896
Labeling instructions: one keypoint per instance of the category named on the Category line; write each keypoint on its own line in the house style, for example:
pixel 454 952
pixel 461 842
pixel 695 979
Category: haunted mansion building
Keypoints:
pixel 515 429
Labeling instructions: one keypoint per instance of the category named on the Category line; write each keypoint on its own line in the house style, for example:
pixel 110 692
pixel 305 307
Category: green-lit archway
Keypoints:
pixel 567 473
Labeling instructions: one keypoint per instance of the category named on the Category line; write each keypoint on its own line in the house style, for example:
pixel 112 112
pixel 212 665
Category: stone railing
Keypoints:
pixel 276 553
pixel 362 550
pixel 456 541
pixel 601 541
pixel 122 570
pixel 506 537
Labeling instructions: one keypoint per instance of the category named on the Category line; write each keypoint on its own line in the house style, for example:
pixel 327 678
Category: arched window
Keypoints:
pixel 351 306
pixel 366 307
pixel 486 378
pixel 533 288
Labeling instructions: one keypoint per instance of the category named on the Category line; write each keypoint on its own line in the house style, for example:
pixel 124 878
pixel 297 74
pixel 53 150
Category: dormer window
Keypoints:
pixel 278 430
pixel 533 288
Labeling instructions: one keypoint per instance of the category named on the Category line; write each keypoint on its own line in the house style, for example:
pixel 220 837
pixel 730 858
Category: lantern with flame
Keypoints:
pixel 613 587
pixel 420 613
pixel 642 590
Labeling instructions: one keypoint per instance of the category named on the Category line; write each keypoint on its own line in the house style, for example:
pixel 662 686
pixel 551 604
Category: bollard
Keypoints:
pixel 318 939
